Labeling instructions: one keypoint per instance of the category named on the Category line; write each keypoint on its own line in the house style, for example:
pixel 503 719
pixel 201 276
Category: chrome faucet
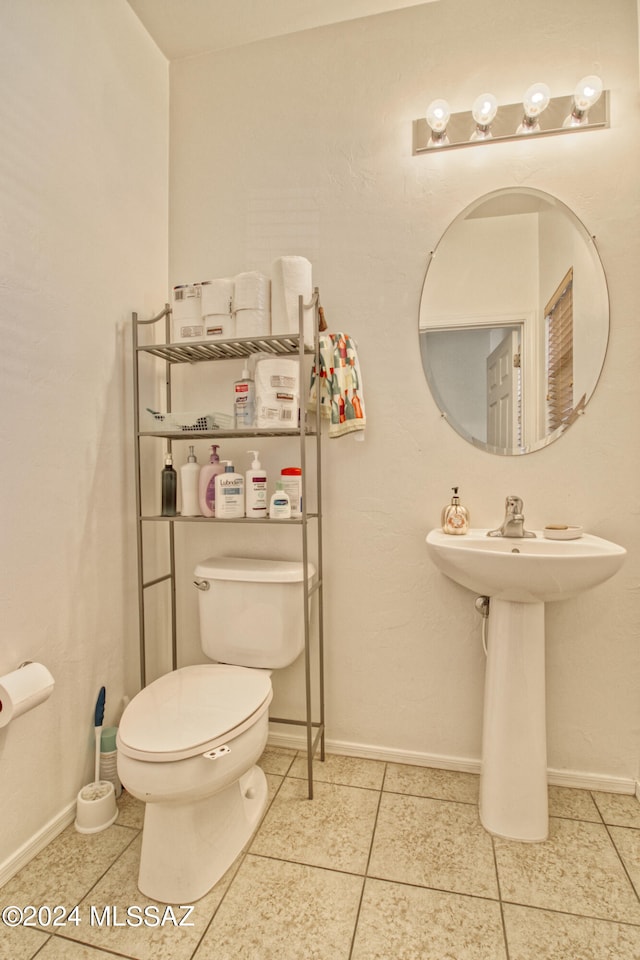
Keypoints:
pixel 513 523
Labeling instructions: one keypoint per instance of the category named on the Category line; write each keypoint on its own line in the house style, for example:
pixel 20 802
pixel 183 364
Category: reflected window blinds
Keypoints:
pixel 559 353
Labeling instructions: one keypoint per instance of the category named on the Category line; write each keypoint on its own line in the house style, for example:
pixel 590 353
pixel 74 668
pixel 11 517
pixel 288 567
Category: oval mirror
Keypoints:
pixel 514 321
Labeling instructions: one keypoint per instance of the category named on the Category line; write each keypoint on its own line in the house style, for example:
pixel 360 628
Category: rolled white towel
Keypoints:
pixel 290 278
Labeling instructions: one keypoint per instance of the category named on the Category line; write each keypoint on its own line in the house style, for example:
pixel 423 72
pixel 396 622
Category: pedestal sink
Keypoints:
pixel 519 576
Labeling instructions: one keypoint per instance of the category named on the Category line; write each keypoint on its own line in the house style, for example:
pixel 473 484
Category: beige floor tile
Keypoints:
pixel 277 760
pixel 433 843
pixel 542 935
pixel 60 949
pixel 67 868
pixel 284 911
pixel 154 935
pixel 620 810
pixel 333 830
pixel 572 804
pixel 130 811
pixel 19 943
pixel 431 782
pixel 627 843
pixel 576 870
pixel 350 771
pixel 407 923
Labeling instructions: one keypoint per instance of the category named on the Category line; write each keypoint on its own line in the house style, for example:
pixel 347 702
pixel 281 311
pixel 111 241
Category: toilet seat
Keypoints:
pixel 193 710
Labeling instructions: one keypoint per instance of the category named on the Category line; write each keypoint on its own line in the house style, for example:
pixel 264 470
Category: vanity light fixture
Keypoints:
pixel 483 112
pixel 586 94
pixel 535 101
pixel 437 116
pixel 537 115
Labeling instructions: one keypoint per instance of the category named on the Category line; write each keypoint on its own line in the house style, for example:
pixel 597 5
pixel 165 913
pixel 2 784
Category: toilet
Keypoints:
pixel 188 743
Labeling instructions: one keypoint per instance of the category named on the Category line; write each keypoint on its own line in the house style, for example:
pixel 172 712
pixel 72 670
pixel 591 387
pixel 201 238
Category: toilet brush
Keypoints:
pixel 96 806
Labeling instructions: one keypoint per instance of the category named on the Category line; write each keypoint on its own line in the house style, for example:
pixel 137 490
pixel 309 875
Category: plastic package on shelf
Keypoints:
pixel 153 421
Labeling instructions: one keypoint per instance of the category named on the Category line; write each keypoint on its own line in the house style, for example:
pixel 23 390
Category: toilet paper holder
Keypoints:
pixel 29 685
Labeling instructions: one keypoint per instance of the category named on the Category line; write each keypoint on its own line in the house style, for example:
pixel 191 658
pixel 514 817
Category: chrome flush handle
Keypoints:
pixel 202 584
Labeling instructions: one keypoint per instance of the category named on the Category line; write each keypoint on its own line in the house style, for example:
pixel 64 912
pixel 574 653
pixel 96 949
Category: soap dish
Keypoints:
pixel 562 532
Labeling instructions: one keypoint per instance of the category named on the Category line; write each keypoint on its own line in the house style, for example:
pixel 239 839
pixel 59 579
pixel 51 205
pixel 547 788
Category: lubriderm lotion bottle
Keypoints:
pixel 455 517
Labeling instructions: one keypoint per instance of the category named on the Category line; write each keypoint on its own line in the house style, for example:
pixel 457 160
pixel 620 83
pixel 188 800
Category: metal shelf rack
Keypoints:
pixel 169 354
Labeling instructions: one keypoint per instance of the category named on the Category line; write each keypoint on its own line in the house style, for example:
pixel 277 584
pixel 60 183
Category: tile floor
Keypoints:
pixel 387 862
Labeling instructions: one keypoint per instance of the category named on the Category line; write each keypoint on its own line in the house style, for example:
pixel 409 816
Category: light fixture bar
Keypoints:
pixel 461 126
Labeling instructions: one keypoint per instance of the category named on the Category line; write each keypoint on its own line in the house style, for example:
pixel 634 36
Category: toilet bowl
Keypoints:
pixel 187 747
pixel 188 743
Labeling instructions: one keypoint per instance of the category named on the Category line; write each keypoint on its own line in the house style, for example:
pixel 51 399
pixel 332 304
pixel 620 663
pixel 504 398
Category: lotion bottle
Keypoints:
pixel 206 483
pixel 169 487
pixel 229 493
pixel 189 477
pixel 256 488
pixel 280 506
pixel 455 517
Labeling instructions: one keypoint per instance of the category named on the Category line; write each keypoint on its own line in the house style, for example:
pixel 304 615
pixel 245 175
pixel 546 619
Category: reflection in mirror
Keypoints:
pixel 514 321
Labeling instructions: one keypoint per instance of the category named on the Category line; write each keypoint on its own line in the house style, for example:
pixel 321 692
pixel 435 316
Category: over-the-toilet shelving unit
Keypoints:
pixel 169 354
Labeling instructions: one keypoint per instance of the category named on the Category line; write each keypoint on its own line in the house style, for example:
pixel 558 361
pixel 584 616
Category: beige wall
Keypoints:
pixel 303 145
pixel 83 241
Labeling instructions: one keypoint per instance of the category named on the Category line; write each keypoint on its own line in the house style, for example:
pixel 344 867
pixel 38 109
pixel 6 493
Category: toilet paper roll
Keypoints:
pixel 290 278
pixel 22 690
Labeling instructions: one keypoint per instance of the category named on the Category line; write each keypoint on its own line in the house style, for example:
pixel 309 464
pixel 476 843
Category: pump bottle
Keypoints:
pixel 206 483
pixel 229 493
pixel 455 517
pixel 169 488
pixel 256 488
pixel 244 401
pixel 189 477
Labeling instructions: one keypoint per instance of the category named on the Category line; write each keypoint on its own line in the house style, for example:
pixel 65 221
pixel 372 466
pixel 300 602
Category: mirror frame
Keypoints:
pixel 496 321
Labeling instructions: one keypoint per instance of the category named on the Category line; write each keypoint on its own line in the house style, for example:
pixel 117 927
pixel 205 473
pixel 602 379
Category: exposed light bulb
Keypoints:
pixel 483 112
pixel 587 92
pixel 437 116
pixel 535 100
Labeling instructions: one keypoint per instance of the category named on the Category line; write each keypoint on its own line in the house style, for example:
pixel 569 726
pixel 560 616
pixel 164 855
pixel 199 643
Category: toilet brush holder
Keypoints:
pixel 96 807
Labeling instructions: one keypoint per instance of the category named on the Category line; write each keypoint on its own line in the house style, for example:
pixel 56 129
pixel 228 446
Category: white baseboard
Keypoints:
pixel 558 778
pixel 36 843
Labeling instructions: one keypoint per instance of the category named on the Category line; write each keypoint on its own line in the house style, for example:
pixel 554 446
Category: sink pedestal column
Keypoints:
pixel 513 778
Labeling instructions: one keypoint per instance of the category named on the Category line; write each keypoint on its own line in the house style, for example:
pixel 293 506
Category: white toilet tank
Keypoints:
pixel 252 611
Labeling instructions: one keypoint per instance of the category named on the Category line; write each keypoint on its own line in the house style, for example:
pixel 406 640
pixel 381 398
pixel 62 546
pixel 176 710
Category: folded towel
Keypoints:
pixel 340 384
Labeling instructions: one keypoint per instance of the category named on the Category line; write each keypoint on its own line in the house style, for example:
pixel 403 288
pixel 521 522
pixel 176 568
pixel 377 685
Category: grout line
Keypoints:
pixel 613 843
pixel 366 869
pixel 500 900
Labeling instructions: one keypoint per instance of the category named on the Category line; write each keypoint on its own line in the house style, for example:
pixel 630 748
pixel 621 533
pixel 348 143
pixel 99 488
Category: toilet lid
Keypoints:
pixel 191 710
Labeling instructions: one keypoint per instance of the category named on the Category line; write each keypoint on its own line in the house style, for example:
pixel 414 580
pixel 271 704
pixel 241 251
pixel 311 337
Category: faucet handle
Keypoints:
pixel 514 504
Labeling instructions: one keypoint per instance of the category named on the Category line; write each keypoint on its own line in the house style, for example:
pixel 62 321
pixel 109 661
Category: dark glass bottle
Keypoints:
pixel 169 488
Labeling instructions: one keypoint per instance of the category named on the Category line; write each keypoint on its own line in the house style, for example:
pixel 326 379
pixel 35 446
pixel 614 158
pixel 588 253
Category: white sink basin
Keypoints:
pixel 525 570
pixel 519 576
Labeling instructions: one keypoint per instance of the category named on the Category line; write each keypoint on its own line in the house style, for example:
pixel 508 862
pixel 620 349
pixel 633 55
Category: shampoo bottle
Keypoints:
pixel 244 401
pixel 229 493
pixel 455 517
pixel 206 483
pixel 280 506
pixel 169 488
pixel 256 488
pixel 189 477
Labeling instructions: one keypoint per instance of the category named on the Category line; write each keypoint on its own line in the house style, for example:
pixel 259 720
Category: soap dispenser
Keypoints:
pixel 455 517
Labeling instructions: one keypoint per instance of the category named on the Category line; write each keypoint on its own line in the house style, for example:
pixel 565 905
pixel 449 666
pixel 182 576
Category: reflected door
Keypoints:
pixel 503 406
